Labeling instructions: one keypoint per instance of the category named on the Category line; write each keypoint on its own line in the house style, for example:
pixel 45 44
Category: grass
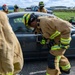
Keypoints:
pixel 65 15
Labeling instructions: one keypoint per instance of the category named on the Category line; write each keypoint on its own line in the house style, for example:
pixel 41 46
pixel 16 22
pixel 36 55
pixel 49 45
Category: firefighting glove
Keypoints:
pixel 50 43
pixel 43 41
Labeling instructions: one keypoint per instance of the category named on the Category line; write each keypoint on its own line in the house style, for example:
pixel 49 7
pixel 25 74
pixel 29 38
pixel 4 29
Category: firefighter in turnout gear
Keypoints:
pixel 57 32
pixel 41 7
pixel 11 57
pixel 16 8
pixel 5 8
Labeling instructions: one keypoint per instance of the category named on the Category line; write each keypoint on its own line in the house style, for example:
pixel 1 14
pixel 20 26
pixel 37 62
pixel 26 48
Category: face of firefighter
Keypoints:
pixel 34 24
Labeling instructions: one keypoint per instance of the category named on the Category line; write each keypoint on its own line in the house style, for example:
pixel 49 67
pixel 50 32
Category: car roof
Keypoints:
pixel 22 13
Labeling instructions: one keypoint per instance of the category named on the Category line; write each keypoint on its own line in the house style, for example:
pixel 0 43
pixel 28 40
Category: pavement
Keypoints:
pixel 39 67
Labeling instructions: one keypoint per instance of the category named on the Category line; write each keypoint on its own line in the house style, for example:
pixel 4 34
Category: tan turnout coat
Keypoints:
pixel 49 25
pixel 42 10
pixel 11 57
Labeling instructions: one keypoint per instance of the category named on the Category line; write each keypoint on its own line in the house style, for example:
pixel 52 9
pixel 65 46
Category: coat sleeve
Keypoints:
pixel 64 28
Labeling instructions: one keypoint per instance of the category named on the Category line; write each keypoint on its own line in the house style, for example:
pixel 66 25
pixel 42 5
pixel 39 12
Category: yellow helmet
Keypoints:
pixel 28 18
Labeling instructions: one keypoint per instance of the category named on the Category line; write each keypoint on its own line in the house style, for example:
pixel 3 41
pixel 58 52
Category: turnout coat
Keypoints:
pixel 11 57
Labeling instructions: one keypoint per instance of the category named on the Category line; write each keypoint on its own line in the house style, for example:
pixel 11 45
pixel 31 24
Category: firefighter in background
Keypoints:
pixel 41 7
pixel 57 32
pixel 16 8
pixel 11 57
pixel 5 8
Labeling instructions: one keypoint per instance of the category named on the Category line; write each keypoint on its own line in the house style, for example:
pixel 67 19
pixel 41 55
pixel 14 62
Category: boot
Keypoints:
pixel 67 72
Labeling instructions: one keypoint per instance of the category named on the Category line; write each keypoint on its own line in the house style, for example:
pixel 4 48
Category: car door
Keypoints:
pixel 28 40
pixel 71 51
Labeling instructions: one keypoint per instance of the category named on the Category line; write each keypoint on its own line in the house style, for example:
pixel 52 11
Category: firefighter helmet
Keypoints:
pixel 41 4
pixel 28 18
pixel 16 7
pixel 4 6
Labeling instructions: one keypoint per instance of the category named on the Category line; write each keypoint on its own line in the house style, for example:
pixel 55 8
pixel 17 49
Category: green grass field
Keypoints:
pixel 65 15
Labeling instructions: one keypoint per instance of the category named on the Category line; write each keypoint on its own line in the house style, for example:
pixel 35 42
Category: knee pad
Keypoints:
pixel 51 61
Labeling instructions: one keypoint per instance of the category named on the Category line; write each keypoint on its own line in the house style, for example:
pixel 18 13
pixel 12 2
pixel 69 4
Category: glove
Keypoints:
pixel 50 43
pixel 43 41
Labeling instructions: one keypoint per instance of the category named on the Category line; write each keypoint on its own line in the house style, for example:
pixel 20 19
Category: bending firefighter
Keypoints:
pixel 57 32
pixel 41 7
pixel 11 57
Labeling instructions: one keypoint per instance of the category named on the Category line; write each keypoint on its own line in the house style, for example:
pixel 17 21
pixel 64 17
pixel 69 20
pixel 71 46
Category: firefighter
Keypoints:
pixel 11 58
pixel 5 8
pixel 41 7
pixel 57 32
pixel 16 8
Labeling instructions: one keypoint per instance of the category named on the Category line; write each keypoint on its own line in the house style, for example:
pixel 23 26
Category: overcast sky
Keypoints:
pixel 48 3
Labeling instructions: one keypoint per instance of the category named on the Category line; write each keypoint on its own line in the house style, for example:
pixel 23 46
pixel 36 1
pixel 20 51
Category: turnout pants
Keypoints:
pixel 57 60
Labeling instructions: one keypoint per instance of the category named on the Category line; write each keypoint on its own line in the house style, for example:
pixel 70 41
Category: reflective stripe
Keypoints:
pixel 55 35
pixel 55 47
pixel 65 41
pixel 47 74
pixel 24 18
pixel 10 73
pixel 27 18
pixel 58 59
pixel 68 66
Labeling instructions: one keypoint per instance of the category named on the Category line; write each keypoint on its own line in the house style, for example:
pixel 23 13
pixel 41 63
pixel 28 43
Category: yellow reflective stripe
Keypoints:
pixel 58 59
pixel 65 41
pixel 47 74
pixel 68 66
pixel 10 73
pixel 55 35
pixel 24 15
pixel 55 47
pixel 24 18
pixel 27 18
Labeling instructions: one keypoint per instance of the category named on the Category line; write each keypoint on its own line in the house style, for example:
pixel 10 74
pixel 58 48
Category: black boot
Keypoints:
pixel 67 72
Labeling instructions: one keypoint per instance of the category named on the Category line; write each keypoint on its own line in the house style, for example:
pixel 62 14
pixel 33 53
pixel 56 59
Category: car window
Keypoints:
pixel 18 25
